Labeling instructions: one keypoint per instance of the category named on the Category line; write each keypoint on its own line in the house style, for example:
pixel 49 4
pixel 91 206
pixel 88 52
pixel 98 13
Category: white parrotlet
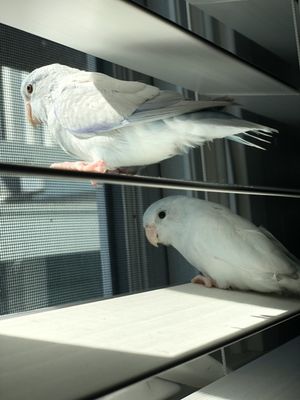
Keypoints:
pixel 228 250
pixel 111 124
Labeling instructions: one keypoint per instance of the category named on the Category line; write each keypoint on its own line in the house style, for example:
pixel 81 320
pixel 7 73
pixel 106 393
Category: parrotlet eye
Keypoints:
pixel 29 88
pixel 162 214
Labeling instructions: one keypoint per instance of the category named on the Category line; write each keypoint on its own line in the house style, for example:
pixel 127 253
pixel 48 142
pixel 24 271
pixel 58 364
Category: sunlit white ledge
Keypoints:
pixel 275 376
pixel 121 32
pixel 95 347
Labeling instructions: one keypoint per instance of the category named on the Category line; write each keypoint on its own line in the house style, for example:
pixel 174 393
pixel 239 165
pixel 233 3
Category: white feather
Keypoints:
pixel 95 117
pixel 223 246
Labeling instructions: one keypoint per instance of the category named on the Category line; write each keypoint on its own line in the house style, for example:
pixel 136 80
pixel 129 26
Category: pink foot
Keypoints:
pixel 96 166
pixel 204 280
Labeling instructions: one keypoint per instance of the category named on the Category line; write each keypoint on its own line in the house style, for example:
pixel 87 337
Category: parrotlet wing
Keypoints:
pixel 92 102
pixel 171 104
pixel 89 103
pixel 261 252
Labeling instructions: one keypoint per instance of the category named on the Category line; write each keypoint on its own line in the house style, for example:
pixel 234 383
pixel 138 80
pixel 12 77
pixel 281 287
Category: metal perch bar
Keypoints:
pixel 146 181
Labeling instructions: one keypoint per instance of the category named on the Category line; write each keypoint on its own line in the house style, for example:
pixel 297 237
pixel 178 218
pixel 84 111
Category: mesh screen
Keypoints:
pixel 50 247
pixel 61 241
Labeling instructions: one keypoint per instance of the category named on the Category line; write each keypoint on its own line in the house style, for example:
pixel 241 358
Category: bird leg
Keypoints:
pixel 96 166
pixel 204 280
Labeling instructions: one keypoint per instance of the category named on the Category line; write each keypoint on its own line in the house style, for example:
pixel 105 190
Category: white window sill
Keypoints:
pixel 70 352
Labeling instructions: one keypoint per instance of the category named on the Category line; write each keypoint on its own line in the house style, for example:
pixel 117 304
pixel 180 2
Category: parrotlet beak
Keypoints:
pixel 31 118
pixel 151 234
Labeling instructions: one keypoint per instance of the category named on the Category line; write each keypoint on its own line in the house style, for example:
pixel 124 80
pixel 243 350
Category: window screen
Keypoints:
pixel 62 241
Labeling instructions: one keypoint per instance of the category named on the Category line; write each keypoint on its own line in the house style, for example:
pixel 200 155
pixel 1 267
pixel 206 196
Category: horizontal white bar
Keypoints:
pixel 124 33
pixel 91 348
pixel 275 376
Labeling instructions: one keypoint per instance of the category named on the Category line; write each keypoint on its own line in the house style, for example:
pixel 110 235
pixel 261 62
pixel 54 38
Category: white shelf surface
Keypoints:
pixel 68 353
pixel 125 34
pixel 274 376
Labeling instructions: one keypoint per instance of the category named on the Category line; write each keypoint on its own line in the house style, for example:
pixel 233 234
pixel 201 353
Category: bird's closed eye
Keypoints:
pixel 162 214
pixel 29 88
